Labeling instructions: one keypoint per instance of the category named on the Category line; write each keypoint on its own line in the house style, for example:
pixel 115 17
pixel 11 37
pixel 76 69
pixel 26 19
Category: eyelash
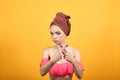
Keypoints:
pixel 56 33
pixel 51 33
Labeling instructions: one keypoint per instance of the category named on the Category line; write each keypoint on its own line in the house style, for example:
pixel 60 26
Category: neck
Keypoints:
pixel 62 45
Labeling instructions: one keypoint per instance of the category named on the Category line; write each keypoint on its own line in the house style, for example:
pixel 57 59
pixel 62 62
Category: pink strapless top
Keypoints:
pixel 61 69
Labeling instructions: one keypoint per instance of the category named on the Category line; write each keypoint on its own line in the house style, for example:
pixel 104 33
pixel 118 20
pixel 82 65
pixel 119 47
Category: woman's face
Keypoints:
pixel 58 36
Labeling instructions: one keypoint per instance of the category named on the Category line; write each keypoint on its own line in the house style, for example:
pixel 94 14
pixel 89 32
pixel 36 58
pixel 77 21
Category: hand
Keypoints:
pixel 57 56
pixel 68 55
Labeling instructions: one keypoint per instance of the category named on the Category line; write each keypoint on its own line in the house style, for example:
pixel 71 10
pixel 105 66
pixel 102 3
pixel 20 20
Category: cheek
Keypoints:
pixel 61 37
pixel 52 37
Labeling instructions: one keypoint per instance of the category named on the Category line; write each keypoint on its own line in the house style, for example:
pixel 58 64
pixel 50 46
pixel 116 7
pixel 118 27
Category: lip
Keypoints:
pixel 55 40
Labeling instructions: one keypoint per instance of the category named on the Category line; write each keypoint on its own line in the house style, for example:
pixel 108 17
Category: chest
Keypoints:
pixel 53 52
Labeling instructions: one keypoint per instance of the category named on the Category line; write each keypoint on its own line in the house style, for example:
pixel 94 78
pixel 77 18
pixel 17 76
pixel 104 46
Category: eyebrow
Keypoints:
pixel 55 32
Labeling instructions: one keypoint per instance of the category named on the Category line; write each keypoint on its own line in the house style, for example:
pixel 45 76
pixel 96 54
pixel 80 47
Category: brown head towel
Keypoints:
pixel 62 21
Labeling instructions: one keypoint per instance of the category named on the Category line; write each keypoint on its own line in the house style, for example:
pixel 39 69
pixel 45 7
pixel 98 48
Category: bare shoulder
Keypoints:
pixel 47 48
pixel 75 50
pixel 46 52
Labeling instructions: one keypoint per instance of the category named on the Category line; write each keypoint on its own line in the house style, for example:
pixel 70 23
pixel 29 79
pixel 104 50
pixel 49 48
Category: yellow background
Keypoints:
pixel 24 33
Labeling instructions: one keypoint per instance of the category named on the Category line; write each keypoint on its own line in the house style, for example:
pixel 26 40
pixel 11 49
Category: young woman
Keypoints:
pixel 61 60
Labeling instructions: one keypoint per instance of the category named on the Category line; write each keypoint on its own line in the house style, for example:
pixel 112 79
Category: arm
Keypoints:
pixel 78 71
pixel 45 68
pixel 74 60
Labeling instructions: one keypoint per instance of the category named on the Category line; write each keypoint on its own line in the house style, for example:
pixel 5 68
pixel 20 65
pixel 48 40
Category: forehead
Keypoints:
pixel 55 28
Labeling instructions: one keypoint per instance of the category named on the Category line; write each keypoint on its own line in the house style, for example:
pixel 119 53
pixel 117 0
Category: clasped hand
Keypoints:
pixel 67 55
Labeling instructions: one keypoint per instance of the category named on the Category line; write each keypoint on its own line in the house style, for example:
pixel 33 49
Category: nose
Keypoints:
pixel 54 37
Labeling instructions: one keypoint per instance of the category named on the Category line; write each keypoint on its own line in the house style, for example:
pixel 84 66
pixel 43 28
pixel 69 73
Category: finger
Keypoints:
pixel 67 54
pixel 59 56
pixel 67 59
pixel 63 51
pixel 59 51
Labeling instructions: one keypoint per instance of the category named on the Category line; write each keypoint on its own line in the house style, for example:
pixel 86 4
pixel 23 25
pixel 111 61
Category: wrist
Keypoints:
pixel 52 61
pixel 74 61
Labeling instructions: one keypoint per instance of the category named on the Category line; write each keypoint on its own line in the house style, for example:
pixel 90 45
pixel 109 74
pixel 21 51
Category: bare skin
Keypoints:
pixel 60 54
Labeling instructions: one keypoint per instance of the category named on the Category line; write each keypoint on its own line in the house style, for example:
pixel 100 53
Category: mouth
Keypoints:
pixel 55 40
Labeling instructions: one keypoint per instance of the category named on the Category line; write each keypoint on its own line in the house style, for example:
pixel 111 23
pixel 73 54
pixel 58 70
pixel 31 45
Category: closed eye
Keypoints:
pixel 58 33
pixel 51 33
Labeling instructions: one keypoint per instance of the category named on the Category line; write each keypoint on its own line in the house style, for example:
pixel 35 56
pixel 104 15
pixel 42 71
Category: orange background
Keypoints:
pixel 24 33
